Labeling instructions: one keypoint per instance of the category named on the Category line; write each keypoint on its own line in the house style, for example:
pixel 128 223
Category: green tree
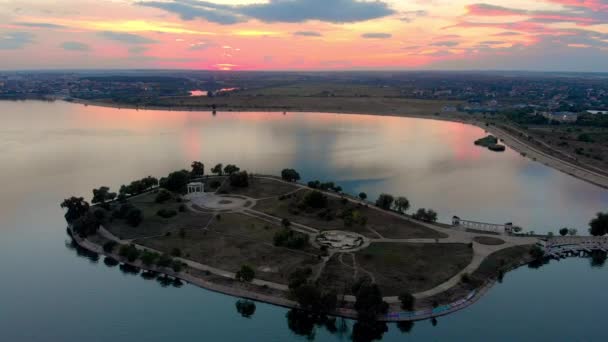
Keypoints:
pixel 563 231
pixel 76 208
pixel 245 274
pixel 230 169
pixel 315 199
pixel 385 201
pixel 245 307
pixel 599 225
pixel 239 179
pixel 176 181
pixel 134 217
pixel 572 231
pixel 402 204
pixel 102 195
pixel 363 196
pixel 198 169
pixel 162 196
pixel 217 169
pixel 407 301
pixel 369 303
pixel 290 175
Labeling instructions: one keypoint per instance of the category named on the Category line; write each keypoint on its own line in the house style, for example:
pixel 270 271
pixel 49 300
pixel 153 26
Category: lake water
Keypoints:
pixel 49 151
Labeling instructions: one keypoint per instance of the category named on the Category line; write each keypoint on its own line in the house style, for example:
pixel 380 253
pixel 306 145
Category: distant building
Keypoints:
pixel 561 116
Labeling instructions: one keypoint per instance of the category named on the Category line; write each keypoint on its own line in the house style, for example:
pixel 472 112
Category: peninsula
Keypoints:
pixel 309 246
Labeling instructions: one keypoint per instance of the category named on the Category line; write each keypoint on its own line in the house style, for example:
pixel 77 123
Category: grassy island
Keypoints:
pixel 309 246
pixel 491 143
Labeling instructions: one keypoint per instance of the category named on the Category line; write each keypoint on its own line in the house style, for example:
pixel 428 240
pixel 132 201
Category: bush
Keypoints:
pixel 290 239
pixel 290 175
pixel 246 274
pixel 109 246
pixel 425 215
pixel 316 200
pixel 163 196
pixel 407 301
pixel 239 179
pixel 149 258
pixel 134 217
pixel 129 251
pixel 385 201
pixel 166 213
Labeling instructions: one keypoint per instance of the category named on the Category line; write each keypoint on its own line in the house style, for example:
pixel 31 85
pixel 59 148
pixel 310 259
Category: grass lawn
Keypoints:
pixel 229 253
pixel 502 260
pixel 153 224
pixel 400 267
pixel 263 188
pixel 337 276
pixel 387 225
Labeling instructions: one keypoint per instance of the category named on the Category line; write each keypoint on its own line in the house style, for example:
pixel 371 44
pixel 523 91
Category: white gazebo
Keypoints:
pixel 196 187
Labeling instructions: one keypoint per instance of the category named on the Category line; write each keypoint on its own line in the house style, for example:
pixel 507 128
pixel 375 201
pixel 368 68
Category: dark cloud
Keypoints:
pixel 290 11
pixel 39 25
pixel 190 10
pixel 376 35
pixel 127 38
pixel 446 43
pixel 15 40
pixel 307 34
pixel 507 34
pixel 75 46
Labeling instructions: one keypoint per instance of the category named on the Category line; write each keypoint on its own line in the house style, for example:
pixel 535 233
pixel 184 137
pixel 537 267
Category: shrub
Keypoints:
pixel 134 217
pixel 163 196
pixel 239 179
pixel 129 251
pixel 316 200
pixel 385 201
pixel 290 175
pixel 109 246
pixel 166 213
pixel 407 301
pixel 246 274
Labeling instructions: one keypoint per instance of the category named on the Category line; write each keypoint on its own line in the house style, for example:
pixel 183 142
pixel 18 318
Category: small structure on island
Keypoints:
pixel 196 187
pixel 340 240
pixel 506 228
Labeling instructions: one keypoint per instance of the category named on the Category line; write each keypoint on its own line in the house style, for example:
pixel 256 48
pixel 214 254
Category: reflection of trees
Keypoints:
pixel 149 275
pixel 245 307
pixel 405 326
pixel 364 331
pixel 128 269
pixel 303 323
pixel 110 262
pixel 81 252
pixel 598 258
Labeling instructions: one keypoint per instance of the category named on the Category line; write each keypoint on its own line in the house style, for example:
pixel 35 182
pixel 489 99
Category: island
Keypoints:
pixel 307 246
pixel 491 142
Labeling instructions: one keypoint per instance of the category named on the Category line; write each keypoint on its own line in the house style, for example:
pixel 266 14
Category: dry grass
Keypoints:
pixel 153 224
pixel 231 252
pixel 263 188
pixel 413 267
pixel 387 225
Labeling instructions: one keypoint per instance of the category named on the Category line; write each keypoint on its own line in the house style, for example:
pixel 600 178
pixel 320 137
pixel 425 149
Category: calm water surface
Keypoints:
pixel 49 151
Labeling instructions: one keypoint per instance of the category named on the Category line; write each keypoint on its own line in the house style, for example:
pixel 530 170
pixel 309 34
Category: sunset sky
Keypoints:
pixel 570 35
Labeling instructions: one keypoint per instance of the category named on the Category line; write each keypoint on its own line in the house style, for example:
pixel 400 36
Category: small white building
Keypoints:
pixel 196 187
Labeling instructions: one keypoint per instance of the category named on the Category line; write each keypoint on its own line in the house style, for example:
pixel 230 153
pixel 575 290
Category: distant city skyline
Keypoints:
pixel 546 35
